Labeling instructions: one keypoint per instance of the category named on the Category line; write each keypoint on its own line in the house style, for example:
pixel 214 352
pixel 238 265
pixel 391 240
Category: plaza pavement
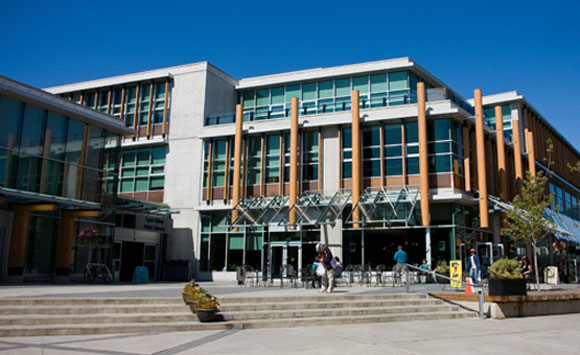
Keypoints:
pixel 532 335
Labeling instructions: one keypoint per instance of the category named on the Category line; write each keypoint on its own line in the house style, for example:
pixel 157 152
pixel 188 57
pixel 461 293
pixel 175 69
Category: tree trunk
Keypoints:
pixel 536 271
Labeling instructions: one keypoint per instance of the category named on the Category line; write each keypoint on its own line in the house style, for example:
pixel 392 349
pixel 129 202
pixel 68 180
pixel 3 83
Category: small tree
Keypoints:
pixel 526 219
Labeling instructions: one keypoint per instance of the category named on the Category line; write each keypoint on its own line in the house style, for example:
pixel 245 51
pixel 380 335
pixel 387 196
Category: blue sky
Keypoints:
pixel 529 46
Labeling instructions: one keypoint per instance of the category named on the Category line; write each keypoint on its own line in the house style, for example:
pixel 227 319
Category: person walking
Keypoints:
pixel 473 267
pixel 400 259
pixel 327 260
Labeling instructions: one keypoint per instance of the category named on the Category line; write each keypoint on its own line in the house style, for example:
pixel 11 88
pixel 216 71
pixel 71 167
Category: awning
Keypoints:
pixel 315 208
pixel 132 204
pixel 389 205
pixel 312 208
pixel 565 223
pixel 560 225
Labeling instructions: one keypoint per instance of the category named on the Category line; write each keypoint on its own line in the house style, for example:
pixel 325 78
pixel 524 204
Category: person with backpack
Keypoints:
pixel 327 260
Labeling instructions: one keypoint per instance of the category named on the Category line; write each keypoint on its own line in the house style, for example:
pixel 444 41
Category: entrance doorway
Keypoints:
pixel 380 245
pixel 281 255
pixel 131 256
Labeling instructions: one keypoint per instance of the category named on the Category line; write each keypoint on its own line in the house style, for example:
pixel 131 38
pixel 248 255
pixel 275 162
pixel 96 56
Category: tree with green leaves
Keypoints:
pixel 526 220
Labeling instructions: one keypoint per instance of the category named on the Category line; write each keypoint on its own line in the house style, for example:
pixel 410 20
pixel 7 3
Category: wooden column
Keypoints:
pixel 123 98
pixel 403 153
pixel 65 241
pixel 526 114
pixel 423 166
pixel 150 111
pixel 481 171
pixel 209 172
pixel 165 105
pixel 96 105
pixel 466 160
pixel 281 167
pixel 356 156
pixel 382 153
pixel 137 104
pixel 20 234
pixel 262 181
pixel 517 154
pixel 531 154
pixel 293 160
pixel 237 159
pixel 501 163
pixel 109 101
pixel 227 172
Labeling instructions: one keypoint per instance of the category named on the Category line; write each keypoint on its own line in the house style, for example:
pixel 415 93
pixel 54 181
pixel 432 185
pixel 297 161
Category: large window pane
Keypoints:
pixel 263 97
pixel 378 83
pixel 411 132
pixel 325 89
pixel 32 130
pixel 74 141
pixel 10 120
pixel 96 147
pixel 292 91
pixel 393 134
pixel 361 83
pixel 398 80
pixel 342 87
pixel 248 99
pixel 309 91
pixel 277 95
pixel 56 134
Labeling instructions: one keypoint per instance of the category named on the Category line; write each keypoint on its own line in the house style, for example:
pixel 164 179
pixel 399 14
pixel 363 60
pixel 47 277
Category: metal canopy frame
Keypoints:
pixel 312 208
pixel 387 204
pixel 315 208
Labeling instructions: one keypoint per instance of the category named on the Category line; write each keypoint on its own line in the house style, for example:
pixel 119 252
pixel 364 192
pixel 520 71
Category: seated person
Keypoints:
pixel 526 268
pixel 424 275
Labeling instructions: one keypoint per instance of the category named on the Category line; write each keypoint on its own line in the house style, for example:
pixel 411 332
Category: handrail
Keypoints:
pixel 479 291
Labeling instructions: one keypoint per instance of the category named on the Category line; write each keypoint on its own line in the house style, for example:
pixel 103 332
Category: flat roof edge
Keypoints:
pixel 27 93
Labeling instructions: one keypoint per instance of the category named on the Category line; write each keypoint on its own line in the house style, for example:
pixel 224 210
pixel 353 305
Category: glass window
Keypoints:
pixel 272 159
pixel 96 146
pixel 263 97
pixel 342 87
pixel 55 136
pixel 278 95
pixel 158 154
pixel 74 141
pixel 254 160
pixel 411 132
pixel 32 130
pixel 325 89
pixel 248 99
pixel 393 134
pixel 292 91
pixel 309 91
pixel 361 83
pixel 143 157
pixel 378 83
pixel 10 122
pixel 398 80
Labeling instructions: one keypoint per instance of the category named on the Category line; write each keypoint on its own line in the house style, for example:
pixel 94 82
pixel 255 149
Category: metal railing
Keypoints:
pixel 480 295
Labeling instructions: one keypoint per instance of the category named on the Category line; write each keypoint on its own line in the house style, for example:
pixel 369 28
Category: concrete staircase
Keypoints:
pixel 51 316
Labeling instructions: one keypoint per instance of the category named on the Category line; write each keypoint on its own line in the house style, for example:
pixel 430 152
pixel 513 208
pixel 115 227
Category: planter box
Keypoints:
pixel 206 315
pixel 507 287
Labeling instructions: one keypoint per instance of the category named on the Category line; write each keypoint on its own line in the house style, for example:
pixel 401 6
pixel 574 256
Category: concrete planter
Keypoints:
pixel 515 287
pixel 206 315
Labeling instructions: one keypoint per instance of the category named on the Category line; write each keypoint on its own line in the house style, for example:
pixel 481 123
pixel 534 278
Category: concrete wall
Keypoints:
pixel 331 234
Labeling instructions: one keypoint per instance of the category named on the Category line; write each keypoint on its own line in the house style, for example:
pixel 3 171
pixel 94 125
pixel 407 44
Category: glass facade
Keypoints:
pixel 142 169
pixel 44 152
pixel 564 201
pixel 489 119
pixel 325 96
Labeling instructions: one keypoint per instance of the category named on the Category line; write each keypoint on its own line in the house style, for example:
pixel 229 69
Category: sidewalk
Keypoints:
pixel 536 335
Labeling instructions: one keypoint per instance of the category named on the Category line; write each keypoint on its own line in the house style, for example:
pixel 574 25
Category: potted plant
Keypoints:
pixel 200 301
pixel 506 278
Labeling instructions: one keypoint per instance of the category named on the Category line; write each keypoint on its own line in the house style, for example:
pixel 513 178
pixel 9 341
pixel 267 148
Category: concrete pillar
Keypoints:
pixel 293 159
pixel 237 160
pixel 423 166
pixel 466 160
pixel 332 234
pixel 517 154
pixel 501 163
pixel 481 171
pixel 356 157
pixel 531 154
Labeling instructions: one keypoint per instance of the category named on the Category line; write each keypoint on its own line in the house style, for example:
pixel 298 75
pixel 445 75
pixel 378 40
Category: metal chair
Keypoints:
pixel 287 272
pixel 379 270
pixel 309 278
pixel 251 276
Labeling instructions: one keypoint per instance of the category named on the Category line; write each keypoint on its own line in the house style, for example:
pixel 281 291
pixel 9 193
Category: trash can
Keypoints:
pixel 551 275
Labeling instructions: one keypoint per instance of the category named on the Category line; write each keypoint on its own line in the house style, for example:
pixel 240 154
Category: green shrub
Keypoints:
pixel 505 269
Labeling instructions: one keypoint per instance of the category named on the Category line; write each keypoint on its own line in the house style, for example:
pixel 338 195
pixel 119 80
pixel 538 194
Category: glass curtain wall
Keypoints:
pixel 143 169
pixel 506 112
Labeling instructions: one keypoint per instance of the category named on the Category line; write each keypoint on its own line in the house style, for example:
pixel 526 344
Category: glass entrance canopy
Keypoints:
pixel 313 208
pixel 387 204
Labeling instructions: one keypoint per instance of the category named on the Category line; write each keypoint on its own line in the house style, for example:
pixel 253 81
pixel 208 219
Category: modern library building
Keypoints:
pixel 362 157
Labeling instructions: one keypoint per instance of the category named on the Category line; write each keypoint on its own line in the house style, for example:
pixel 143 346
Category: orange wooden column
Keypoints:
pixel 423 166
pixel 165 105
pixel 293 159
pixel 466 160
pixel 517 154
pixel 237 160
pixel 531 154
pixel 150 111
pixel 20 234
pixel 356 156
pixel 501 163
pixel 64 243
pixel 481 171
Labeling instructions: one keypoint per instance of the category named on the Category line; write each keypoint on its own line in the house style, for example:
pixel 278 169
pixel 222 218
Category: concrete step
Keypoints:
pixel 86 301
pixel 339 312
pixel 184 316
pixel 93 309
pixel 318 297
pixel 329 303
